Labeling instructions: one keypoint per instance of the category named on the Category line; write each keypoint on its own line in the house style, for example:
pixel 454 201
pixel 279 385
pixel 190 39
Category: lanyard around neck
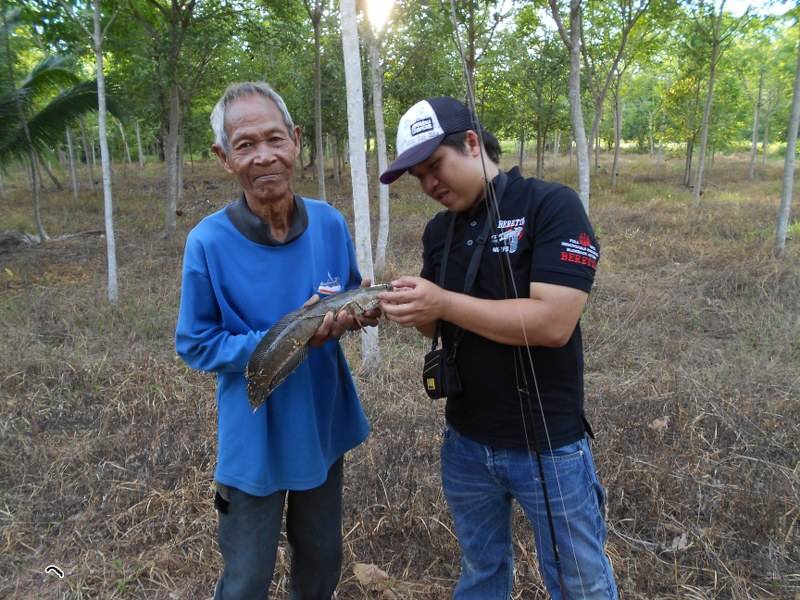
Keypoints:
pixel 499 184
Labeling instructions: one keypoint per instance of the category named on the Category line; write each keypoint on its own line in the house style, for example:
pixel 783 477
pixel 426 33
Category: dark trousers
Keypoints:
pixel 249 529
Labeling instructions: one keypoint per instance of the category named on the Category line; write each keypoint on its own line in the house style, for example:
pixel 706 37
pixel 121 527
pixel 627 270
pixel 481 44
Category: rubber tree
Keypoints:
pixel 358 165
pixel 571 36
pixel 96 34
pixel 782 226
pixel 315 10
pixel 374 43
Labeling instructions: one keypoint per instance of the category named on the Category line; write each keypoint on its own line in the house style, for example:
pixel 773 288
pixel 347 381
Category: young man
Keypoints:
pixel 244 267
pixel 514 340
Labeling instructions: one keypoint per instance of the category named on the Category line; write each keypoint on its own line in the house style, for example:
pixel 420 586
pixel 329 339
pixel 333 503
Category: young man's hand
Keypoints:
pixel 414 302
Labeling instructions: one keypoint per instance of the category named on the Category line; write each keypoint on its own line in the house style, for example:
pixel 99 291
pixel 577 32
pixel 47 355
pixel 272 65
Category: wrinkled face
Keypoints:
pixel 452 178
pixel 262 152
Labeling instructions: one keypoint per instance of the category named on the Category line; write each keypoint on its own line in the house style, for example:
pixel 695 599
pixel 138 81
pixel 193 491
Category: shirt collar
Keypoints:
pixel 254 229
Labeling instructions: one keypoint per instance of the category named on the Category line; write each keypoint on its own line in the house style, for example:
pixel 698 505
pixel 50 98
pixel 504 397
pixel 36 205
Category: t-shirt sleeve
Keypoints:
pixel 199 336
pixel 428 268
pixel 565 250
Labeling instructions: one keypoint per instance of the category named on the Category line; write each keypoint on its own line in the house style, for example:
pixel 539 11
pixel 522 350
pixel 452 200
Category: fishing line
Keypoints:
pixel 492 203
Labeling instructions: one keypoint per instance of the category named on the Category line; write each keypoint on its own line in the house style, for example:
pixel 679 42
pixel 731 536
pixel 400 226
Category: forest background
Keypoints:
pixel 693 358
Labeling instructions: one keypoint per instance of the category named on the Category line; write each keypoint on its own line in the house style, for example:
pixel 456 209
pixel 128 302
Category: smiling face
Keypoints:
pixel 262 151
pixel 452 177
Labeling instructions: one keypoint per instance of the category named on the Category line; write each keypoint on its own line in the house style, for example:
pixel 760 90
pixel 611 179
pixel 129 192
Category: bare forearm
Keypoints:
pixel 517 322
pixel 547 318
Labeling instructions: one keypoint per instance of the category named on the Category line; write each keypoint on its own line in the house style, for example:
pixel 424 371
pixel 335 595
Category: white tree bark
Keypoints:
pixel 715 52
pixel 89 156
pixel 358 165
pixel 376 72
pixel 124 142
pixel 139 145
pixel 772 102
pixel 108 206
pixel 751 171
pixel 319 149
pixel 617 136
pixel 171 157
pixel 337 164
pixel 782 227
pixel 572 40
pixel 179 172
pixel 71 160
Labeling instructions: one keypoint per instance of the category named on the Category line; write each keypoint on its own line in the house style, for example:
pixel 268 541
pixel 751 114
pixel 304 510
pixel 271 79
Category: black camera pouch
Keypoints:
pixel 439 375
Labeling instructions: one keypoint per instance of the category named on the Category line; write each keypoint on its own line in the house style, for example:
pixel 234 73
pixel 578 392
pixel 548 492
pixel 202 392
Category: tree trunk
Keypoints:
pixel 540 168
pixel 756 113
pixel 179 181
pixel 572 40
pixel 139 146
pixel 358 165
pixel 715 51
pixel 539 150
pixel 50 174
pixel 376 72
pixel 320 150
pixel 108 206
pixel 765 144
pixel 557 144
pixel 337 165
pixel 88 157
pixel 171 157
pixel 71 159
pixel 521 148
pixel 617 136
pixel 37 217
pixel 124 142
pixel 687 170
pixel 571 149
pixel 36 191
pixel 782 226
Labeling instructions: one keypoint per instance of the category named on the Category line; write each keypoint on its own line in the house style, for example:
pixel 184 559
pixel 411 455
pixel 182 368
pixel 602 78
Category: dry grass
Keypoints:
pixel 107 440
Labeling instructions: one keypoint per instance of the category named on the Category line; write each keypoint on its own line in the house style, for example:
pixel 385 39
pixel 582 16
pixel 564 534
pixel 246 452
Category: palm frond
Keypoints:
pixel 47 126
pixel 47 77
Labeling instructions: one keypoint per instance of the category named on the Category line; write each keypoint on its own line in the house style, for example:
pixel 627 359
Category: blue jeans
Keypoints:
pixel 249 529
pixel 480 483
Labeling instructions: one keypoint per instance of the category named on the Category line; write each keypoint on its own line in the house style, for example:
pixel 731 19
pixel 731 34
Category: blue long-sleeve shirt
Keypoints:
pixel 233 290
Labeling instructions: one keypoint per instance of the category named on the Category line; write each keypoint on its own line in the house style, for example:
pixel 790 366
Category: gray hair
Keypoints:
pixel 240 90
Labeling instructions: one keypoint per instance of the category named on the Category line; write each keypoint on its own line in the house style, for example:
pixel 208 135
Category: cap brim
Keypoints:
pixel 409 158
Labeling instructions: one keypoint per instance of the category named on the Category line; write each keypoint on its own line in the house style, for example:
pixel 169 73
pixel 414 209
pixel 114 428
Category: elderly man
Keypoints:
pixel 246 266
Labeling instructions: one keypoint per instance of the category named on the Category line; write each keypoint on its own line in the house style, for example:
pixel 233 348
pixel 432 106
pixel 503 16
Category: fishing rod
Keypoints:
pixel 523 390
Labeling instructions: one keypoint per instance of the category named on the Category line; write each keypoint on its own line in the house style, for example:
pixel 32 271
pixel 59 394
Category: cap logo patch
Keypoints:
pixel 421 126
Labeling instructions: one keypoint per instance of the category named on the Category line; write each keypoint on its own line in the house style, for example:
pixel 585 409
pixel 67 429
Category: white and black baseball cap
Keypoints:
pixel 422 128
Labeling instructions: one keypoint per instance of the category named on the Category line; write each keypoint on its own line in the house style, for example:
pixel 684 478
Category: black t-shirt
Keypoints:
pixel 544 231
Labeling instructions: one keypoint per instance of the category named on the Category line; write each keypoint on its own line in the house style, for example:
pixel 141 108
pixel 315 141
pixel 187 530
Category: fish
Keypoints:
pixel 285 345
